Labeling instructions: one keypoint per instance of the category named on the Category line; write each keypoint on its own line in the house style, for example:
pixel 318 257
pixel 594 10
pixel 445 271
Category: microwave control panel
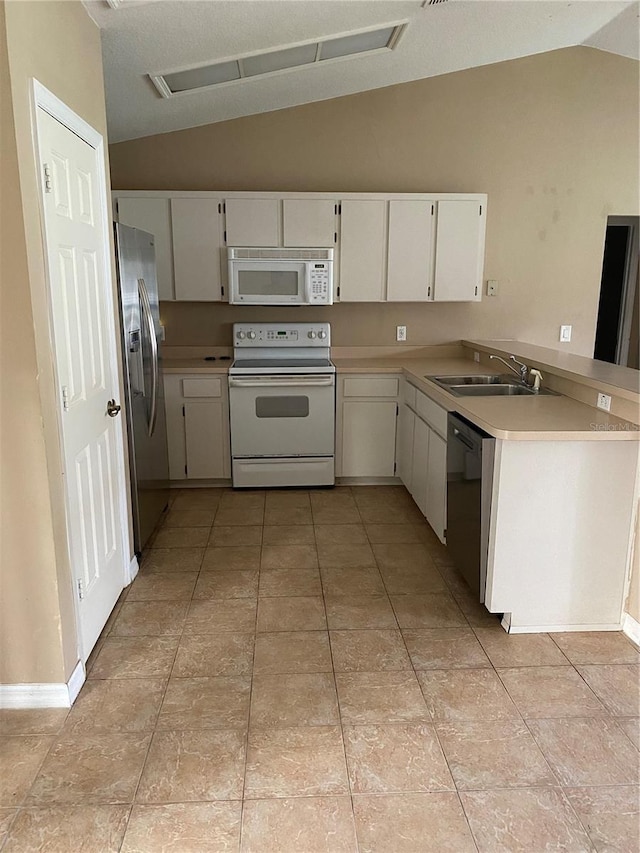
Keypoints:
pixel 319 282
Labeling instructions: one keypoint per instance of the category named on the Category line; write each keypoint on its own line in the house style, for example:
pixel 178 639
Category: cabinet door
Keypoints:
pixel 404 447
pixel 459 251
pixel 410 265
pixel 197 249
pixel 437 484
pixel 252 221
pixel 362 251
pixel 368 438
pixel 153 215
pixel 420 464
pixel 204 435
pixel 309 222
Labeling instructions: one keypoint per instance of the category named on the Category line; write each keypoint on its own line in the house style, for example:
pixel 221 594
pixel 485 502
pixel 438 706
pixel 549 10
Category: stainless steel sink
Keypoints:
pixel 479 379
pixel 487 385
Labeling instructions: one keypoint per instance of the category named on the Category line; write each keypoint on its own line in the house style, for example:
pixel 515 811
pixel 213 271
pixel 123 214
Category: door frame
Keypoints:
pixel 43 99
pixel 629 285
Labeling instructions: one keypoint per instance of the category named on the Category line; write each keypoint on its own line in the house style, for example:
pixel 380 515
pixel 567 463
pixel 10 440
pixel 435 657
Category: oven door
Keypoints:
pixel 282 415
pixel 272 283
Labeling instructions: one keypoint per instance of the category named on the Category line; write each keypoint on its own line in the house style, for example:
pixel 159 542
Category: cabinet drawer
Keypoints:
pixel 409 395
pixel 205 387
pixel 432 413
pixel 371 386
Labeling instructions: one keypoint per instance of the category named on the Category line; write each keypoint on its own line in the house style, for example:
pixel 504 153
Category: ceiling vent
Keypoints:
pixel 344 46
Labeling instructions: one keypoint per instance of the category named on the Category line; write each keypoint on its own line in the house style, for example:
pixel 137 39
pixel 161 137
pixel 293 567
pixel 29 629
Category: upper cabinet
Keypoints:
pixel 309 222
pixel 153 214
pixel 411 248
pixel 459 251
pixel 362 250
pixel 197 249
pixel 252 221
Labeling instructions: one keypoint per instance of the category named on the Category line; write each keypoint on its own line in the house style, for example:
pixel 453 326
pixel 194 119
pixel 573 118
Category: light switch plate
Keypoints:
pixel 565 334
pixel 492 287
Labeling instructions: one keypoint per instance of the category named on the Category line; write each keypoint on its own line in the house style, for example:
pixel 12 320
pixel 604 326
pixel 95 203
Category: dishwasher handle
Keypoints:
pixel 463 439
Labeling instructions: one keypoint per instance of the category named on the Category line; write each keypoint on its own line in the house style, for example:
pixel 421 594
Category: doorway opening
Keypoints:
pixel 617 330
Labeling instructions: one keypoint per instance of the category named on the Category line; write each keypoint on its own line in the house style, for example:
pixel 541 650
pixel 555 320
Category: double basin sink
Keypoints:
pixel 487 385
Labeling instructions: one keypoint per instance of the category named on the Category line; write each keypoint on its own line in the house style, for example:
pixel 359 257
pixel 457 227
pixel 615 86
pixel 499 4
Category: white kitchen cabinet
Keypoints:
pixel 420 464
pixel 368 438
pixel 459 251
pixel 411 248
pixel 252 221
pixel 197 408
pixel 197 249
pixel 436 501
pixel 404 447
pixel 362 250
pixel 309 222
pixel 153 214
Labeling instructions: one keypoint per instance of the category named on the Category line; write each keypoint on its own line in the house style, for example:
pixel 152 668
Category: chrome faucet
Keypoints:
pixel 522 370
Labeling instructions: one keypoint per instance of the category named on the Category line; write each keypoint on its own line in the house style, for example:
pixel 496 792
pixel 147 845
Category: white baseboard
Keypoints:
pixel 631 628
pixel 134 568
pixel 43 695
pixel 559 629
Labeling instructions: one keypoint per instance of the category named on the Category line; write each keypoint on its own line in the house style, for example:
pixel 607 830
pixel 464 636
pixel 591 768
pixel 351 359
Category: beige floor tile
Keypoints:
pixel 375 514
pixel 288 534
pixel 231 558
pixel 338 555
pixel 224 537
pixel 380 697
pixel 172 560
pixel 631 727
pixel 279 701
pixel 150 618
pixel 582 647
pixel 232 516
pixel 189 518
pixel 466 694
pixel 369 651
pixel 334 508
pixel 291 614
pixel 519 649
pixel 197 499
pixel 402 556
pixel 413 581
pixel 6 819
pixel 233 584
pixel 363 580
pixel 61 829
pixel 205 703
pixel 295 762
pixel 278 499
pixel 216 616
pixel 124 705
pixel 524 821
pixel 359 611
pixel 493 754
pixel 587 751
pixel 393 758
pixel 135 657
pixel 181 537
pixel 193 766
pixel 341 534
pixel 292 651
pixel 20 760
pixel 390 534
pixel 244 499
pixel 293 825
pixel 288 515
pixel 616 685
pixel 97 768
pixel 381 496
pixel 32 721
pixel 213 655
pixel 444 648
pixel 432 610
pixel 184 828
pixel 474 612
pixel 551 691
pixel 176 586
pixel 289 582
pixel 412 823
pixel 611 816
pixel 289 557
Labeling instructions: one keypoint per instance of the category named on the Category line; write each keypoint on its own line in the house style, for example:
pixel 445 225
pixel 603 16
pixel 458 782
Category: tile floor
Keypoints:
pixel 303 671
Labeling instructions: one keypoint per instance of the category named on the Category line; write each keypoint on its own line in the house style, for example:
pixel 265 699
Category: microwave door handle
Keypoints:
pixel 307 283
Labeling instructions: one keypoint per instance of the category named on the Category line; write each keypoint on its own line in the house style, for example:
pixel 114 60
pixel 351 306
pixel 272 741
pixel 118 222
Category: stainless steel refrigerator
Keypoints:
pixel 144 395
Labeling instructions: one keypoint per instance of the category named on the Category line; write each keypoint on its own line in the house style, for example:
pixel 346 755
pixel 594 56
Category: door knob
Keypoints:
pixel 113 408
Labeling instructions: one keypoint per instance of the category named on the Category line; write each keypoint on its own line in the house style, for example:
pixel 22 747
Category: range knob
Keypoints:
pixel 311 335
pixel 322 334
pixel 251 336
pixel 240 335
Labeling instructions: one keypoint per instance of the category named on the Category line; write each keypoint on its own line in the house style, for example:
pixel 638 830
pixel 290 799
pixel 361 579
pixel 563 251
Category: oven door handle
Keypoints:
pixel 288 382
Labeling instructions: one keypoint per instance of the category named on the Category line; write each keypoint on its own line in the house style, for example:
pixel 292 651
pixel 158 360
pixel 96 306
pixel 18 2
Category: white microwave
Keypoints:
pixel 280 276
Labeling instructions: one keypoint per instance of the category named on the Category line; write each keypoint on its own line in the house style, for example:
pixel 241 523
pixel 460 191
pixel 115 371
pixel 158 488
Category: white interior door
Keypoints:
pixel 85 356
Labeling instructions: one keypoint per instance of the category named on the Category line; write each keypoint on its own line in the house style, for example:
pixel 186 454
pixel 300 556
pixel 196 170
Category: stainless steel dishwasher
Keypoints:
pixel 470 456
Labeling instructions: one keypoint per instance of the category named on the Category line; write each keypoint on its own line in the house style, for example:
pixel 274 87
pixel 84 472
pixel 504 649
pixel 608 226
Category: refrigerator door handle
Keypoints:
pixel 146 310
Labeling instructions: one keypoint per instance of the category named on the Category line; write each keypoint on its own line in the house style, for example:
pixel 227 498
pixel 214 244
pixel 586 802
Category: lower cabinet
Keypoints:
pixel 367 410
pixel 422 455
pixel 197 427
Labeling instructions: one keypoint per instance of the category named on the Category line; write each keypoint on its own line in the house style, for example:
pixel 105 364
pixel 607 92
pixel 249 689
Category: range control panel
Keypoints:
pixel 281 334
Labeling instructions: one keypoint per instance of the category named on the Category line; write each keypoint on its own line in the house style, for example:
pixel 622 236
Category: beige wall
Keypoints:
pixel 552 139
pixel 58 44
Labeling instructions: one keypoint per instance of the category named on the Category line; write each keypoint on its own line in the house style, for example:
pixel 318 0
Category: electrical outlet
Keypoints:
pixel 604 402
pixel 565 334
pixel 476 356
pixel 492 287
pixel 401 333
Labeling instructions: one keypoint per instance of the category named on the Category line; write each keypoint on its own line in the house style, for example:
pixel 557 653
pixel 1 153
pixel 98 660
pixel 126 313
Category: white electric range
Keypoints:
pixel 282 405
